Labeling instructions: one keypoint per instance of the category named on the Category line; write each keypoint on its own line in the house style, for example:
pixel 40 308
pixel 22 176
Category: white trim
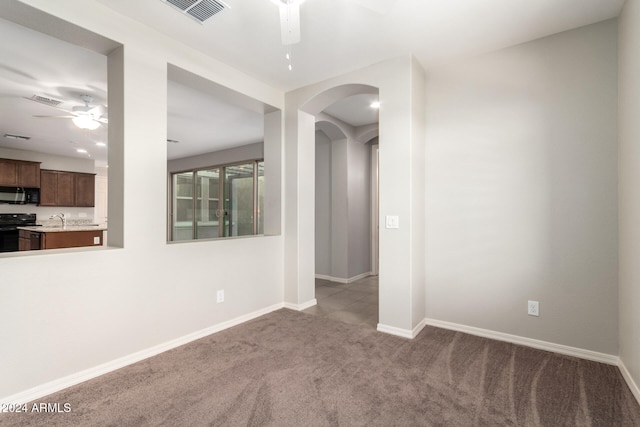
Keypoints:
pixel 358 277
pixel 300 307
pixel 392 330
pixel 404 333
pixel 609 359
pixel 73 379
pixel 325 277
pixel 629 379
pixel 419 327
pixel 341 280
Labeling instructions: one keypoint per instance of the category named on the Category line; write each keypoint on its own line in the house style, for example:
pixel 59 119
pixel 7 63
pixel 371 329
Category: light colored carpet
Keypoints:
pixel 295 369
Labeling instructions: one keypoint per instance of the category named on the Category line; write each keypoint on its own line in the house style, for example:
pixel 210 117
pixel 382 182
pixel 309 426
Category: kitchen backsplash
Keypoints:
pixel 49 222
pixel 74 215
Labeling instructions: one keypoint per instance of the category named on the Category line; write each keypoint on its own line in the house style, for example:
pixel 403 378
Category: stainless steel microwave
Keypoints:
pixel 19 195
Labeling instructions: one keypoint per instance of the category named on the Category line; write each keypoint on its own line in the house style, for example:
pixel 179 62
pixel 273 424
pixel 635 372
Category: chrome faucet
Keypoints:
pixel 62 218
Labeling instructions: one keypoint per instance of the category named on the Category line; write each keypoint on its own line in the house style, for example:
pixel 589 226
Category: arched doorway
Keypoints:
pixel 302 236
pixel 401 270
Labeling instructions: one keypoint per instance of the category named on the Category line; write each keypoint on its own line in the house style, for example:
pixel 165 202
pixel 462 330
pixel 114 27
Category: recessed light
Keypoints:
pixel 101 144
pixel 375 104
pixel 20 137
pixel 81 150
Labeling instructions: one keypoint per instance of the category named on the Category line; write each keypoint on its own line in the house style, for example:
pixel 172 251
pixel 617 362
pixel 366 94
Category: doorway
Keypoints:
pixel 346 204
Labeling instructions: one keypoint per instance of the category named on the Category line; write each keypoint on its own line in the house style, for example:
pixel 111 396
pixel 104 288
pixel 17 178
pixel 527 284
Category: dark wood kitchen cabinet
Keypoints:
pixel 18 173
pixel 71 239
pixel 85 189
pixel 36 240
pixel 29 174
pixel 57 188
pixel 29 240
pixel 60 188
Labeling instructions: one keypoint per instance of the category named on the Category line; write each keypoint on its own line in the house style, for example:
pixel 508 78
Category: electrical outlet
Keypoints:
pixel 220 296
pixel 533 308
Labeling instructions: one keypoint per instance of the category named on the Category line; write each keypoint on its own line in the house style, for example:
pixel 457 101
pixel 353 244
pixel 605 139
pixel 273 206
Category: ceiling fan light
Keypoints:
pixel 85 122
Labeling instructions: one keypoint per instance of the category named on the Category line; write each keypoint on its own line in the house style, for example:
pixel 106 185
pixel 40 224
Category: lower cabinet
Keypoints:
pixel 31 240
pixel 28 240
pixel 71 239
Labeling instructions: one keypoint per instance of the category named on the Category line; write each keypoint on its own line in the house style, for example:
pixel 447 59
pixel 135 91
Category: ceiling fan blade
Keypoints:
pixel 290 23
pixel 98 111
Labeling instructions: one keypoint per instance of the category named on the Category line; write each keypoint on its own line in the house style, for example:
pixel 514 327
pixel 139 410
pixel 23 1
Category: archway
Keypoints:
pixel 401 123
pixel 300 236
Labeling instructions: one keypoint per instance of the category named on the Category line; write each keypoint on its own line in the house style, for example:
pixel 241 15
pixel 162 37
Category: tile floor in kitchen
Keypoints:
pixel 355 302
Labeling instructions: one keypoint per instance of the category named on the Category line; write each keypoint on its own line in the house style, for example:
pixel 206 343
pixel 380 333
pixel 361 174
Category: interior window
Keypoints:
pixel 198 212
pixel 218 140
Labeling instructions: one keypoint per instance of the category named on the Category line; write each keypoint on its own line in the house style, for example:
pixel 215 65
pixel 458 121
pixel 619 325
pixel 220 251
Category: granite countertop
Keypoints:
pixel 59 229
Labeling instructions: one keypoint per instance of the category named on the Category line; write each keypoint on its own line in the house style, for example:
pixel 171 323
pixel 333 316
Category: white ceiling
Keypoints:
pixel 344 35
pixel 337 36
pixel 34 64
pixel 200 123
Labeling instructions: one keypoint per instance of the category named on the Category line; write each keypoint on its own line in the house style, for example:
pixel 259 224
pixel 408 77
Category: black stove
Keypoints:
pixel 9 224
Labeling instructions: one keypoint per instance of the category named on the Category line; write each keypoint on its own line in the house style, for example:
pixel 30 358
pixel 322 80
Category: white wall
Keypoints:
pixel 342 208
pixel 50 161
pixel 339 209
pixel 323 205
pixel 215 158
pixel 629 175
pixel 359 202
pixel 521 190
pixel 77 310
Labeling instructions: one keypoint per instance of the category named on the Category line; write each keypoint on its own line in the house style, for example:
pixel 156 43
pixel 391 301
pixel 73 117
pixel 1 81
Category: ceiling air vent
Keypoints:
pixel 200 10
pixel 46 101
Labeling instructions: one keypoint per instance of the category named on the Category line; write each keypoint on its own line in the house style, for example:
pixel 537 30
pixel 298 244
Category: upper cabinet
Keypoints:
pixel 85 189
pixel 60 188
pixel 18 173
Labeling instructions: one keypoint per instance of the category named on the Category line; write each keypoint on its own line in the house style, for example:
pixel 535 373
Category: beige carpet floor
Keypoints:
pixel 295 369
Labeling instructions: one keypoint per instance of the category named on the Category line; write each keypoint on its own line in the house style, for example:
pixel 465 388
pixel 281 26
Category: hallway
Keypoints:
pixel 355 303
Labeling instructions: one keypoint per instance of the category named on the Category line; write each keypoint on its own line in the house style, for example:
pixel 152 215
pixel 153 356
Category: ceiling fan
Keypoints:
pixel 290 19
pixel 83 116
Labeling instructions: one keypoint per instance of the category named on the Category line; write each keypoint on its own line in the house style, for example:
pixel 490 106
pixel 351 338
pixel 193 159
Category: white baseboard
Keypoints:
pixel 341 280
pixel 629 379
pixel 528 342
pixel 609 359
pixel 399 332
pixel 300 307
pixel 73 379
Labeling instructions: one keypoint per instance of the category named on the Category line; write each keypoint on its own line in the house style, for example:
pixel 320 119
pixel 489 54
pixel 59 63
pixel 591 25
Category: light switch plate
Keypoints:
pixel 392 221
